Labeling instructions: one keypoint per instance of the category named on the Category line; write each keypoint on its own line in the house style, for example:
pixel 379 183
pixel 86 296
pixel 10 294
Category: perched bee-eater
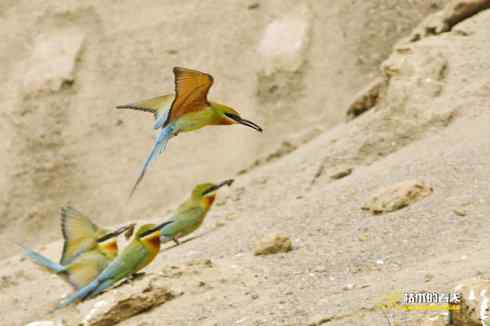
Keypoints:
pixel 190 215
pixel 135 256
pixel 87 249
pixel 188 110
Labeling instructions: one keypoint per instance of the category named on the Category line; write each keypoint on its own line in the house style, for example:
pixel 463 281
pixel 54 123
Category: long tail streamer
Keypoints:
pixel 158 148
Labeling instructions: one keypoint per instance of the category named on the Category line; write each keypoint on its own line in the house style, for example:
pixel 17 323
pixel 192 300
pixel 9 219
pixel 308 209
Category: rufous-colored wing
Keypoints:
pixel 191 91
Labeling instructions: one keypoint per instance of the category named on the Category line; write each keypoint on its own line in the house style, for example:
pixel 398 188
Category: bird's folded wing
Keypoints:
pixel 156 105
pixel 183 222
pixel 191 91
pixel 79 233
pixel 125 264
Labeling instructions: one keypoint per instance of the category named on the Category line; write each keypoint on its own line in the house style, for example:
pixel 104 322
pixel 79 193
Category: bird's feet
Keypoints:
pixel 136 276
pixel 131 278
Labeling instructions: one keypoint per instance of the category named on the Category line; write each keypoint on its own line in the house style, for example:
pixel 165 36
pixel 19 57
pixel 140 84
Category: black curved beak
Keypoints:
pixel 245 122
pixel 156 228
pixel 227 182
pixel 250 124
pixel 129 232
pixel 115 233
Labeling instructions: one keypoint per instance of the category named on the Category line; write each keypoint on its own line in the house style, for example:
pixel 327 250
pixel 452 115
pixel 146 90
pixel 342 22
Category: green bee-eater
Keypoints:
pixel 188 110
pixel 190 214
pixel 87 249
pixel 135 256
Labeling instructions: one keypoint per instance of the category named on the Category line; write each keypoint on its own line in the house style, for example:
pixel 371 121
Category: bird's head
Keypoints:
pixel 150 230
pixel 207 191
pixel 107 241
pixel 149 234
pixel 231 116
pixel 145 230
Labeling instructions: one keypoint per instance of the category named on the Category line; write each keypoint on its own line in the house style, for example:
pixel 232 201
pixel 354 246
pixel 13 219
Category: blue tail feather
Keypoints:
pixel 161 119
pixel 79 295
pixel 43 261
pixel 158 148
pixel 102 287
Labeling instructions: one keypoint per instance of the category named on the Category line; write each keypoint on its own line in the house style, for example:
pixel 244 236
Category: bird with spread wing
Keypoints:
pixel 87 249
pixel 188 110
pixel 140 252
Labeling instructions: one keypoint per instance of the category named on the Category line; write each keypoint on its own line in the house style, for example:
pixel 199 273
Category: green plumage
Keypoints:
pixel 185 221
pixel 136 255
pixel 190 215
pixel 188 110
pixel 84 255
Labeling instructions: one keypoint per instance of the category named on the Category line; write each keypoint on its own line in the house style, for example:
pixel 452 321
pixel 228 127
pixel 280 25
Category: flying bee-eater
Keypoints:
pixel 87 249
pixel 188 110
pixel 135 256
pixel 190 214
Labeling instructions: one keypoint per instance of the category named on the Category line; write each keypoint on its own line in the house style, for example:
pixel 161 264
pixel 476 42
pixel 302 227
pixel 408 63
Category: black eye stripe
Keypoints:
pixel 207 191
pixel 233 116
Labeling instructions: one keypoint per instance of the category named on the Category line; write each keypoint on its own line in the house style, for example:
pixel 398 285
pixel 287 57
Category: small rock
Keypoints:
pixel 53 61
pixel 45 323
pixel 397 196
pixel 459 212
pixel 97 309
pixel 253 6
pixel 205 262
pixel 348 287
pixel 443 21
pixel 219 224
pixel 340 173
pixel 363 237
pixel 321 269
pixel 428 277
pixel 130 300
pixel 201 284
pixel 273 244
pixel 231 216
pixel 320 320
pixel 366 98
pixel 285 41
pixel 474 302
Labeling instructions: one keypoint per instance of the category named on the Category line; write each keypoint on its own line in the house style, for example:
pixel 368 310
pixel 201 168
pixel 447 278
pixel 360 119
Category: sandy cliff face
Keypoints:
pixel 419 151
pixel 67 65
